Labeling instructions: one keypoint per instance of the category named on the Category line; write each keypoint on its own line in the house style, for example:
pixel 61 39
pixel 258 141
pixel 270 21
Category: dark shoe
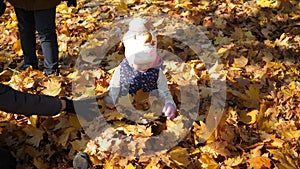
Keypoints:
pixel 34 67
pixel 52 72
pixel 82 161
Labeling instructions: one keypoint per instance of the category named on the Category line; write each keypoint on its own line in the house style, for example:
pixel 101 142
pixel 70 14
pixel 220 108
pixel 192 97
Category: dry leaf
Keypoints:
pixel 180 156
pixel 248 117
pixel 36 135
pixel 53 87
pixel 259 162
pixel 240 62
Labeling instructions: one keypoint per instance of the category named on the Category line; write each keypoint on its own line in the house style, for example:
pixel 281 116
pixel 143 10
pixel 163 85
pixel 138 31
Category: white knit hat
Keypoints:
pixel 136 51
pixel 138 25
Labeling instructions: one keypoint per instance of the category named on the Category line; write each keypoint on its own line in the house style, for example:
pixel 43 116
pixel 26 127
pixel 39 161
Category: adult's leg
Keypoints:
pixel 45 25
pixel 26 25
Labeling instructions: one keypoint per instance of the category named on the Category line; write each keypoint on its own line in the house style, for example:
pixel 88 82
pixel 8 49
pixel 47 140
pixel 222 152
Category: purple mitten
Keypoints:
pixel 169 111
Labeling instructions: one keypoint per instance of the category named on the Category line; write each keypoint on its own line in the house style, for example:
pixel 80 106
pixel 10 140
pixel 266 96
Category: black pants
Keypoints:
pixel 44 22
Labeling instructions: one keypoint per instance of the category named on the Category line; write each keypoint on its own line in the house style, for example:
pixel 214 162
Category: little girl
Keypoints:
pixel 141 68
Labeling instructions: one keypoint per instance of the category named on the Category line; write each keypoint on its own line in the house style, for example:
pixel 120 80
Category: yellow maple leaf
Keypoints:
pixel 176 126
pixel 113 115
pixel 259 162
pixel 17 47
pixel 291 134
pixel 240 62
pixel 53 87
pixel 107 165
pixel 248 117
pixel 180 156
pixel 185 4
pixel 28 82
pixel 233 162
pixel 285 161
pixel 122 6
pixel 130 166
pixel 222 50
pixel 268 3
pixel 208 161
pixel 267 126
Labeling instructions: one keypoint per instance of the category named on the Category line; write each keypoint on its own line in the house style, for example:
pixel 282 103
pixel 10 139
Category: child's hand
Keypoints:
pixel 169 111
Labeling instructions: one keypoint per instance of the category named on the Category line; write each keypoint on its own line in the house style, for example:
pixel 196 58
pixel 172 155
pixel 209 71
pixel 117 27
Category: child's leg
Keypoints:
pixel 45 24
pixel 26 25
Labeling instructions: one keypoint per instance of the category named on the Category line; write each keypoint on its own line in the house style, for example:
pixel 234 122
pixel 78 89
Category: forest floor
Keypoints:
pixel 242 57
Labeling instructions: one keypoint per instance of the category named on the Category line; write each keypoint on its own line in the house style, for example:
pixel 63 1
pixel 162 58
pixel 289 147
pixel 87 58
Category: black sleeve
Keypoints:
pixel 13 101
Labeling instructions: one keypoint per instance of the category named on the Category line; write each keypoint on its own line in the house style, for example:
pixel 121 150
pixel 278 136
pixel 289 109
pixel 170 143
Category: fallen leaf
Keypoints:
pixel 180 156
pixel 240 62
pixel 248 117
pixel 36 135
pixel 53 87
pixel 259 162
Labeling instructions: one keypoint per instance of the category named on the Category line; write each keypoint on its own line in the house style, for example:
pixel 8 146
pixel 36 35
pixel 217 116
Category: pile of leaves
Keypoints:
pixel 257 44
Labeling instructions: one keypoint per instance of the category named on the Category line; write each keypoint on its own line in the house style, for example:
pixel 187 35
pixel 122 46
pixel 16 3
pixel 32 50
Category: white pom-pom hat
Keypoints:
pixel 136 50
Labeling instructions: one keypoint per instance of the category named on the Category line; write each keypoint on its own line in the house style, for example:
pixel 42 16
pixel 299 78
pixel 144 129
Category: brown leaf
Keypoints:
pixel 36 135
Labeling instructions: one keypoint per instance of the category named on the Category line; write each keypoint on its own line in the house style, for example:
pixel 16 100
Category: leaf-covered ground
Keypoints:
pixel 257 43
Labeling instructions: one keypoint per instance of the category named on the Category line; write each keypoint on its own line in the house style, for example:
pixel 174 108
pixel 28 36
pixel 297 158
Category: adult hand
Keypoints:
pixel 2 7
pixel 169 111
pixel 86 108
pixel 72 3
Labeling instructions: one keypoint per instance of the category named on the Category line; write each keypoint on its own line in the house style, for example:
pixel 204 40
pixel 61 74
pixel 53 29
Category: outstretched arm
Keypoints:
pixel 17 102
